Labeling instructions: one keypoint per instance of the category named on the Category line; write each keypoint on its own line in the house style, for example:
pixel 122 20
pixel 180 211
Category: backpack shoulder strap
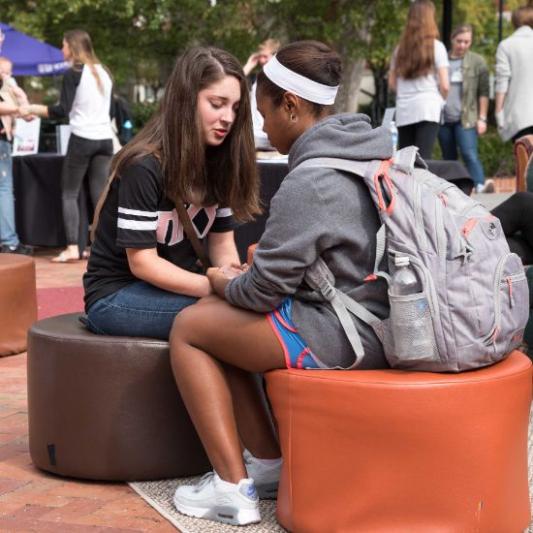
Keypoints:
pixel 404 159
pixel 320 278
pixel 360 168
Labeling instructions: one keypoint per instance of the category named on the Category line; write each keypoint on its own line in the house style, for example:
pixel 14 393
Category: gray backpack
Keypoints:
pixel 475 291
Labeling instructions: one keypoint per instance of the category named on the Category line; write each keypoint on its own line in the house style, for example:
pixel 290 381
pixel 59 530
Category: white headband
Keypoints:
pixel 298 84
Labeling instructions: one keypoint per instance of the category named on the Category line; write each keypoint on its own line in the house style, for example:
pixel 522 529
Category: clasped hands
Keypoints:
pixel 219 277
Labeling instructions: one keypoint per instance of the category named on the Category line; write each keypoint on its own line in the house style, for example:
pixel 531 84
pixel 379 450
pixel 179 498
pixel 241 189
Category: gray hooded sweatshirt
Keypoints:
pixel 321 212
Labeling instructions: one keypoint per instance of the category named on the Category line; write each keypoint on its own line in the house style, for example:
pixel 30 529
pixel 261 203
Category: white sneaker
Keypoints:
pixel 488 186
pixel 216 499
pixel 265 473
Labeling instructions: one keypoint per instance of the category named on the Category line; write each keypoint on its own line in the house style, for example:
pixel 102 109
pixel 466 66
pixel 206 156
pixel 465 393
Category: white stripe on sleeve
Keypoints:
pixel 136 212
pixel 138 225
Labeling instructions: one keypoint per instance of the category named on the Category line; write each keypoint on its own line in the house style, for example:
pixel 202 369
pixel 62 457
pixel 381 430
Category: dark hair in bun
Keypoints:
pixel 311 59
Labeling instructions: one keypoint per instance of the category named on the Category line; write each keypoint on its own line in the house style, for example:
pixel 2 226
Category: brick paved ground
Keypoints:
pixel 31 500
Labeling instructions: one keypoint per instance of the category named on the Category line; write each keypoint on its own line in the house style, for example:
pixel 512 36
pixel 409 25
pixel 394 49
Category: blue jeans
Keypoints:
pixel 8 234
pixel 453 135
pixel 137 310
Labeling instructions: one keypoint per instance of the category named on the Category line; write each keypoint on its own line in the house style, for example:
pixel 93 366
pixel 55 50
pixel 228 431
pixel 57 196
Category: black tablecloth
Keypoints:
pixel 37 182
pixel 38 209
pixel 271 175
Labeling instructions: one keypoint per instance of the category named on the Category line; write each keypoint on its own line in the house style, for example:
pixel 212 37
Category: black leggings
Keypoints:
pixel 422 134
pixel 84 156
pixel 516 217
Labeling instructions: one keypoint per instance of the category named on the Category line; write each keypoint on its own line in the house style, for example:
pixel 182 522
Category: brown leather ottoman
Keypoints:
pixel 106 408
pixel 523 153
pixel 393 451
pixel 18 302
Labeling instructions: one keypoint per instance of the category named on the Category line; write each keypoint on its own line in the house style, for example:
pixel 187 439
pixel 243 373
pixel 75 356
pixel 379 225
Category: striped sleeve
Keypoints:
pixel 138 201
pixel 224 220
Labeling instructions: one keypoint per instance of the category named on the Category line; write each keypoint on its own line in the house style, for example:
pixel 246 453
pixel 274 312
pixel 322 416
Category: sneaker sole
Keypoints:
pixel 224 514
pixel 268 491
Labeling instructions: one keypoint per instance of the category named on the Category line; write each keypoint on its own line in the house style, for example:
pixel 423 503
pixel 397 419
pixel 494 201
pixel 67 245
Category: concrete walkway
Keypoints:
pixel 491 200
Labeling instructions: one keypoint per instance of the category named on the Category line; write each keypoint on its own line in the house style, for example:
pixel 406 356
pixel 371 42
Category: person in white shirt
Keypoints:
pixel 257 60
pixel 514 78
pixel 419 76
pixel 86 100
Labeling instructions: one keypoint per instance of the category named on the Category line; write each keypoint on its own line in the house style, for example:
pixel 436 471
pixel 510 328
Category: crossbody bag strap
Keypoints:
pixel 191 234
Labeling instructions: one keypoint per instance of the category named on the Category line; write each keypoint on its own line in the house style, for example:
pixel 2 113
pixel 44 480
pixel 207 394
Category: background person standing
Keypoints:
pixel 86 100
pixel 11 97
pixel 419 76
pixel 465 112
pixel 514 78
pixel 258 60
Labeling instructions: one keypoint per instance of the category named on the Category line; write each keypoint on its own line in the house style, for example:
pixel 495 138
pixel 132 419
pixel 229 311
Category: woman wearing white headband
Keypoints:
pixel 256 324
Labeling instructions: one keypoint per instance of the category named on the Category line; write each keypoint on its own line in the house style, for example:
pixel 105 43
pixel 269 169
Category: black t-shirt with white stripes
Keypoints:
pixel 137 214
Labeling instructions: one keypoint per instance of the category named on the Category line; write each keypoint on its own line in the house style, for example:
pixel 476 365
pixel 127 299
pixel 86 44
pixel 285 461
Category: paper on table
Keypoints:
pixel 26 137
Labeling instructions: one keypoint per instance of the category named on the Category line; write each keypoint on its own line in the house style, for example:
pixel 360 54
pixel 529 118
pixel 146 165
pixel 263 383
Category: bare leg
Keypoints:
pixel 203 338
pixel 253 420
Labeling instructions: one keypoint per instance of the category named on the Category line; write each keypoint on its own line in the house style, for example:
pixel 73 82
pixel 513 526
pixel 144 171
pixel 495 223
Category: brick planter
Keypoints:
pixel 505 184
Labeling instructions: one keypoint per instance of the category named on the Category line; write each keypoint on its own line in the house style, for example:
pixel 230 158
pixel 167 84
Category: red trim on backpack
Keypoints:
pixel 383 173
pixel 371 277
pixel 470 224
pixel 509 281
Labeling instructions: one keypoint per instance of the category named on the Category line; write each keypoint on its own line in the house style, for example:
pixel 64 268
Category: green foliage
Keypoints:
pixel 141 114
pixel 139 39
pixel 483 15
pixel 496 155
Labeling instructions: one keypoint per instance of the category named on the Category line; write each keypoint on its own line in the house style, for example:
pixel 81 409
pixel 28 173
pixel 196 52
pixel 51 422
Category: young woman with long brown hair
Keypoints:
pixel 257 322
pixel 419 76
pixel 196 150
pixel 85 100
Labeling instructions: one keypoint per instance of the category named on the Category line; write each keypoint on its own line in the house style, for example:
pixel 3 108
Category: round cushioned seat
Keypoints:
pixel 523 152
pixel 106 408
pixel 18 301
pixel 393 451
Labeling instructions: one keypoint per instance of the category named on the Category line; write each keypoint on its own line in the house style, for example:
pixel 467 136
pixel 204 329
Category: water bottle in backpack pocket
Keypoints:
pixel 410 322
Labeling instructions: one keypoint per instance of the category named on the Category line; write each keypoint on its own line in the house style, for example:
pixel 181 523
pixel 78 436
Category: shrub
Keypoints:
pixel 142 112
pixel 496 156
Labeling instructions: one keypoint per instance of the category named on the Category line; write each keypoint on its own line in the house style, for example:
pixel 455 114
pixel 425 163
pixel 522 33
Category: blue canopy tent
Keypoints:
pixel 30 56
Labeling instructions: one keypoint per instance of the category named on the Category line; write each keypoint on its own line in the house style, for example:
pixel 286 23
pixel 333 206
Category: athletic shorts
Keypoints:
pixel 297 353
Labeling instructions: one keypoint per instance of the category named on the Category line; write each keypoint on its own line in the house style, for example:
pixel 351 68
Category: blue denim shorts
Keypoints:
pixel 297 353
pixel 137 310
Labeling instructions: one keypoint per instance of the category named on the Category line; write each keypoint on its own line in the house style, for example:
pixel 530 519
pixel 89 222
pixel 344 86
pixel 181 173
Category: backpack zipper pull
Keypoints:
pixel 510 286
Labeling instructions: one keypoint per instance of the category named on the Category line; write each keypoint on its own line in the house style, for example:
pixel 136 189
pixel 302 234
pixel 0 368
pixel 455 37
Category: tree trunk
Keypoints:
pixel 349 89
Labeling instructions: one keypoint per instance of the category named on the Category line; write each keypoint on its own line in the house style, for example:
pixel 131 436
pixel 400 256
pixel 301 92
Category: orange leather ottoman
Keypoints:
pixel 18 302
pixel 393 452
pixel 106 408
